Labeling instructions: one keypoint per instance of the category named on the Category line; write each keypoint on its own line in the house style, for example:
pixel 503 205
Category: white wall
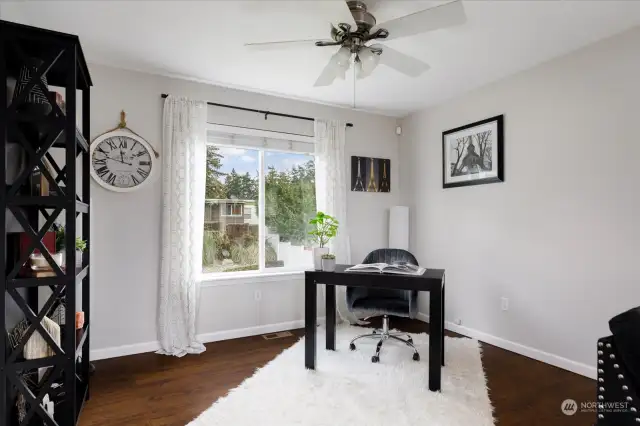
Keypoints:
pixel 560 236
pixel 126 236
pixel 10 11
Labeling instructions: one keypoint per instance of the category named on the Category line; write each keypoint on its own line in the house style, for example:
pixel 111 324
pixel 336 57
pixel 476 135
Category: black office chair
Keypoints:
pixel 618 391
pixel 385 302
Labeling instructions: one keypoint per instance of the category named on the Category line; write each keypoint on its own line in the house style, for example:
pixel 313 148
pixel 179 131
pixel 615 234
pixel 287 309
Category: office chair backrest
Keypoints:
pixel 390 256
pixel 383 256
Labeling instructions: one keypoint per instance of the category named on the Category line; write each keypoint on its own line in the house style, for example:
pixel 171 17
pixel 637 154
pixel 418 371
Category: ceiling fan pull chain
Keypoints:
pixel 354 82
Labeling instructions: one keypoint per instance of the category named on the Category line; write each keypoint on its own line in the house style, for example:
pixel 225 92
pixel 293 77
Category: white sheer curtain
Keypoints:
pixel 331 194
pixel 183 182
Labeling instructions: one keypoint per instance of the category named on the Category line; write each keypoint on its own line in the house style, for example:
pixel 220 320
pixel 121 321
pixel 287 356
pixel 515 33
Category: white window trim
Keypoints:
pixel 231 278
pixel 232 130
pixel 214 279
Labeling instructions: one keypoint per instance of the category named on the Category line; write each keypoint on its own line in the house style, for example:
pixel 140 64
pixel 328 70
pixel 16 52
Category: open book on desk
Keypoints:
pixel 400 268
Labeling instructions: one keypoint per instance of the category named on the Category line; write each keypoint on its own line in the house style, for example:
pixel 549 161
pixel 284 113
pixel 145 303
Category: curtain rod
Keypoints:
pixel 266 113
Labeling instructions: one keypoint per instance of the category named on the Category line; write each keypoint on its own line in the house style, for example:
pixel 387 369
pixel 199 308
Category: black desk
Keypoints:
pixel 432 281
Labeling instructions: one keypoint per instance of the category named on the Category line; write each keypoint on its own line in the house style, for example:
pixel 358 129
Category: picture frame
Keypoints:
pixel 473 154
pixel 370 174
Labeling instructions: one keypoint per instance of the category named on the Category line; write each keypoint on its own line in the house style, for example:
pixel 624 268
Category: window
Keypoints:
pixel 233 209
pixel 260 195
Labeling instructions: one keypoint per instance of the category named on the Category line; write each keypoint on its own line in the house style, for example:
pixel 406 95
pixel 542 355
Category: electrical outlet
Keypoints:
pixel 257 295
pixel 504 303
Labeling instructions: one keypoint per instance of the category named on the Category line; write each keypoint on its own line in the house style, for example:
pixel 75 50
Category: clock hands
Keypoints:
pixel 120 161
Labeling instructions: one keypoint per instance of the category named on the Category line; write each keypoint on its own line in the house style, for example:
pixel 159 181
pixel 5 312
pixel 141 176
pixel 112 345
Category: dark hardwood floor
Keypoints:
pixel 153 390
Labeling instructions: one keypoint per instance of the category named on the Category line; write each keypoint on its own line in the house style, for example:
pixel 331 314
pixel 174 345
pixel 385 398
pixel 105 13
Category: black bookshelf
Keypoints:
pixel 43 137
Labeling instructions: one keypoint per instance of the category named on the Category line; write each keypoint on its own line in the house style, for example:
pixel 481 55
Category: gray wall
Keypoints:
pixel 560 236
pixel 126 227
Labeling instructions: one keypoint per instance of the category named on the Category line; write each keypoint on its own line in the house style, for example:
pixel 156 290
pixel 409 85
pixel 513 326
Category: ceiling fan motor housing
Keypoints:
pixel 364 19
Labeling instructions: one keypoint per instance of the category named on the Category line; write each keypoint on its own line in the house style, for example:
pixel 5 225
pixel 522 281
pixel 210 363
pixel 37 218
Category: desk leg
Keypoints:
pixel 310 319
pixel 435 339
pixel 443 328
pixel 331 316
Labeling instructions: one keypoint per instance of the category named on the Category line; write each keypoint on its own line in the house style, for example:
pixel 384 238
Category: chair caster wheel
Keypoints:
pixel 375 359
pixel 352 346
pixel 416 356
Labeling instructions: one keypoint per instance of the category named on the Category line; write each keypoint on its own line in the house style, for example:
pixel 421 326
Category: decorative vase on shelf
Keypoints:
pixel 317 257
pixel 35 104
pixel 39 262
pixel 329 265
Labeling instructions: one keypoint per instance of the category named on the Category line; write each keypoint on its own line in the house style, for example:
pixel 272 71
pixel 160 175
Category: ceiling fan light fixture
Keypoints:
pixel 368 61
pixel 343 58
pixel 341 62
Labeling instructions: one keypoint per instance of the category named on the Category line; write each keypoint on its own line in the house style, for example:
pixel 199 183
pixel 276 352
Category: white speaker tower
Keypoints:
pixel 399 227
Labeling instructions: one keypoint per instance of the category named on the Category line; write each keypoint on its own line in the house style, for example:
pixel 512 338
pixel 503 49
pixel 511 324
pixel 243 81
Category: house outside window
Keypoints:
pixel 260 195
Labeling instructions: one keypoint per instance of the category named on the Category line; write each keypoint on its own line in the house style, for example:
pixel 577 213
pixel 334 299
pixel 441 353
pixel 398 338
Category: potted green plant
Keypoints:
pixel 325 227
pixel 81 246
pixel 39 262
pixel 328 262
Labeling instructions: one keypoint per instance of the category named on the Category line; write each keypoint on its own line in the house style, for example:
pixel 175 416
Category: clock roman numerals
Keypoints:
pixel 100 162
pixel 111 144
pixel 145 163
pixel 135 180
pixel 143 173
pixel 123 143
pixel 102 171
pixel 140 153
pixel 111 179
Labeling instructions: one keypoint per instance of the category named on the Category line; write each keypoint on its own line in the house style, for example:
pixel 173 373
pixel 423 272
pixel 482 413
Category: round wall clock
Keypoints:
pixel 122 161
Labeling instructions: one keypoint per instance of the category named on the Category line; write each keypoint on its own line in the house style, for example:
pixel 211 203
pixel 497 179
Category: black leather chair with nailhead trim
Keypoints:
pixel 619 372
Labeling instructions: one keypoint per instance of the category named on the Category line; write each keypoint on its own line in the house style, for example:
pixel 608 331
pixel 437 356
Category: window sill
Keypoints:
pixel 232 278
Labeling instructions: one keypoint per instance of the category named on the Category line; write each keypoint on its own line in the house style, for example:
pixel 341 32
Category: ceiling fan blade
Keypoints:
pixel 435 18
pixel 281 45
pixel 400 62
pixel 329 73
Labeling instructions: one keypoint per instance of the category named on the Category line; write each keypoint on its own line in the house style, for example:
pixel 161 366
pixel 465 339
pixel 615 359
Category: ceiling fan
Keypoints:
pixel 354 27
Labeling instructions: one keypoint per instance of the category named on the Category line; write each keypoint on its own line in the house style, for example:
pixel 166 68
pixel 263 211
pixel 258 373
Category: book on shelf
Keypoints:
pixel 400 268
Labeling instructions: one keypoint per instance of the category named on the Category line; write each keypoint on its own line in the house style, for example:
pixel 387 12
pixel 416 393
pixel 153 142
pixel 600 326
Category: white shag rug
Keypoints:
pixel 347 389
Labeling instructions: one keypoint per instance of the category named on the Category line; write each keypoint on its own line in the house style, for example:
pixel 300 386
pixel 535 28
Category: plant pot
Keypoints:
pixel 328 265
pixel 317 257
pixel 78 258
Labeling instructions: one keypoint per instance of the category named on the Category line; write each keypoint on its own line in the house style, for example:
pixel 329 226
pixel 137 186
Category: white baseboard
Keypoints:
pixel 548 358
pixel 124 350
pixel 138 348
pixel 216 336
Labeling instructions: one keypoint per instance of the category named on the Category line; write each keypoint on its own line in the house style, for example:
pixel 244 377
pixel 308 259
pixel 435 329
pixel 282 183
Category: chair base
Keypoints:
pixel 383 335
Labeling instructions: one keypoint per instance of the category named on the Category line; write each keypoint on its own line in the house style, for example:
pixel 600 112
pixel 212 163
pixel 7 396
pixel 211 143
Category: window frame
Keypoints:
pixel 261 272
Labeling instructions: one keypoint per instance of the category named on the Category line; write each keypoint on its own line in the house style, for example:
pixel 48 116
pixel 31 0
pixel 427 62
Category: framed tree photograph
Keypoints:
pixel 473 154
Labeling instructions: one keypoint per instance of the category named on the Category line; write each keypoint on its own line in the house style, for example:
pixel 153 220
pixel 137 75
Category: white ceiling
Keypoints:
pixel 204 40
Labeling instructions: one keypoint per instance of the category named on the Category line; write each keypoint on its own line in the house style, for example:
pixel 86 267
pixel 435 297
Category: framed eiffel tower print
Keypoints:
pixel 370 174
